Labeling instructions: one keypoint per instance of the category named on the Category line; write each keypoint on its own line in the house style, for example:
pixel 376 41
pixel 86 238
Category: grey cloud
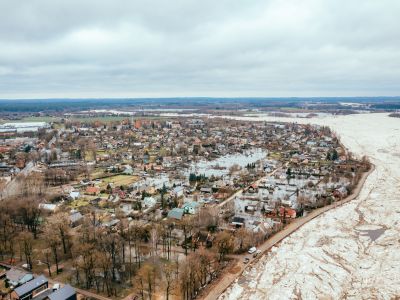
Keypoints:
pixel 158 48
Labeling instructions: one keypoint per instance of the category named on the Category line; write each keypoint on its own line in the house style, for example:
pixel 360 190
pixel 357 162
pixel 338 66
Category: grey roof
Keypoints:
pixel 64 293
pixel 15 274
pixel 178 189
pixel 75 217
pixel 17 277
pixel 176 213
pixel 31 285
pixel 111 223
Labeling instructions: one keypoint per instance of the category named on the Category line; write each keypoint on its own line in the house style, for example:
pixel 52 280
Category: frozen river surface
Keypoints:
pixel 351 252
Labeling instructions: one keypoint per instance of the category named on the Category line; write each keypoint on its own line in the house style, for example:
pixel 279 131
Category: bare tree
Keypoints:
pixel 146 279
pixel 242 238
pixel 60 225
pixel 46 255
pixel 224 244
pixel 169 279
pixel 53 241
pixel 26 241
pixel 28 210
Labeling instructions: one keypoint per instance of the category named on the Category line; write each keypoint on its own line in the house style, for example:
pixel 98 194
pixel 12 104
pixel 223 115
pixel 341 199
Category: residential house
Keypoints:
pixel 128 170
pixel 190 207
pixel 253 188
pixel 74 195
pixel 92 190
pixel 111 223
pixel 149 202
pixel 177 192
pixel 30 289
pixel 206 190
pixel 287 212
pixel 176 213
pixel 48 207
pixel 75 218
pixel 16 277
pixel 67 292
pixel 238 222
pixel 265 227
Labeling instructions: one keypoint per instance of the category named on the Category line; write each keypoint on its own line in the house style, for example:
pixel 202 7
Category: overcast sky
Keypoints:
pixel 232 48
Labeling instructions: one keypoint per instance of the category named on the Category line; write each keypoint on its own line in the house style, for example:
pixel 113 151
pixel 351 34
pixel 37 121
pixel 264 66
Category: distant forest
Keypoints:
pixel 63 105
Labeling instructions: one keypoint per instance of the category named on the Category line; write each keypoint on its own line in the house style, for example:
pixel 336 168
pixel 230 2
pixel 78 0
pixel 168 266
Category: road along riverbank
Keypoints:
pixel 216 289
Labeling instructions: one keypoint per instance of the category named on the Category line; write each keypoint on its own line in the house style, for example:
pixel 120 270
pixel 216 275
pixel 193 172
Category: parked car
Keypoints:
pixel 252 250
pixel 246 260
pixel 256 253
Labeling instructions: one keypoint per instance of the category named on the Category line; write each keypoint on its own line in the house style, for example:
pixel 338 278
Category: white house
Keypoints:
pixel 149 202
pixel 75 195
pixel 177 192
pixel 48 207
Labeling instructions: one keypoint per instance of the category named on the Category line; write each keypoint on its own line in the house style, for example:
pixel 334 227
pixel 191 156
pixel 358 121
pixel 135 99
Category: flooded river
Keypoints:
pixel 351 252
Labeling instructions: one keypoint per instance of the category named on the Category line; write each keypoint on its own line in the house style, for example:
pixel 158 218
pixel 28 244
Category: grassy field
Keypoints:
pixel 98 172
pixel 274 155
pixel 118 180
pixel 79 203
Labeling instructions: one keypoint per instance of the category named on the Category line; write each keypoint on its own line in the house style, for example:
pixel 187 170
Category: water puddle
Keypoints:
pixel 372 233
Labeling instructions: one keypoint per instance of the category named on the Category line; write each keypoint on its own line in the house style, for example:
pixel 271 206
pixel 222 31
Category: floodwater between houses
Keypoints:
pixel 221 165
pixel 351 252
pixel 217 167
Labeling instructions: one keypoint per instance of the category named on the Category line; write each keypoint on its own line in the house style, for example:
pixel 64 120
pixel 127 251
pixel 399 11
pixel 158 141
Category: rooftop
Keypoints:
pixel 64 293
pixel 31 285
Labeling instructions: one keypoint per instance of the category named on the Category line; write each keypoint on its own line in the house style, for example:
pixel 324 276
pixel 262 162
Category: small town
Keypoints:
pixel 154 207
pixel 199 150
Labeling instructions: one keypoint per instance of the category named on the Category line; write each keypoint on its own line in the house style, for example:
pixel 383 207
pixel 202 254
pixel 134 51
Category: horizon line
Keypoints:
pixel 196 97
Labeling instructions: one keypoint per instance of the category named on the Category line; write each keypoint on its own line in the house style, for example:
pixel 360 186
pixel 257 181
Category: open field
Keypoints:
pixel 103 119
pixel 108 119
pixel 79 203
pixel 118 180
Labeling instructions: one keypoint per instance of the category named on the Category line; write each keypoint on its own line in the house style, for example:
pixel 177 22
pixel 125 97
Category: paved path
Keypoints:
pixel 229 278
pixel 90 294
